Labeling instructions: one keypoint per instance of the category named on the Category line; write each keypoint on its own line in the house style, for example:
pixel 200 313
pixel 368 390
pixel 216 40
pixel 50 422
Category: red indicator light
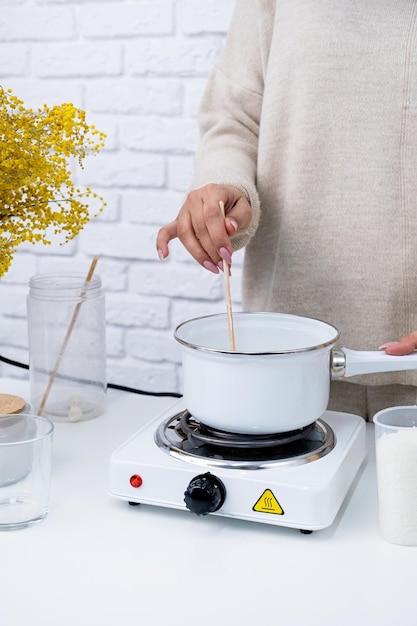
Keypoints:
pixel 136 481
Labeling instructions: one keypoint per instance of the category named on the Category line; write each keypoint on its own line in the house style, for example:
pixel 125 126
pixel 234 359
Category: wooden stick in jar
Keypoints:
pixel 66 338
pixel 226 273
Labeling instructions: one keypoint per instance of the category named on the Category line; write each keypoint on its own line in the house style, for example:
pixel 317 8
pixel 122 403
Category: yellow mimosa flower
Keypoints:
pixel 36 188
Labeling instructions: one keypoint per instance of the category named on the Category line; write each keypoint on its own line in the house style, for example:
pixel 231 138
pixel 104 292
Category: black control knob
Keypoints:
pixel 205 494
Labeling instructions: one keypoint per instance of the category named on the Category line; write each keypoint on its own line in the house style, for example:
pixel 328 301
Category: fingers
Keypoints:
pixel 201 227
pixel 405 345
pixel 165 235
pixel 191 230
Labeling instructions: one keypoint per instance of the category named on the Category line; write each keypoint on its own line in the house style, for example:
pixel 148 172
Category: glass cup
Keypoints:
pixel 396 464
pixel 25 469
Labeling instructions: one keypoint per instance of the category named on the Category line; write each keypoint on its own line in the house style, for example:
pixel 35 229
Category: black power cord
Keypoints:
pixel 109 385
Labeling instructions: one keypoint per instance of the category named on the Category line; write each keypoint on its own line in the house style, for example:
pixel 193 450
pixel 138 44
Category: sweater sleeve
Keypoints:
pixel 230 110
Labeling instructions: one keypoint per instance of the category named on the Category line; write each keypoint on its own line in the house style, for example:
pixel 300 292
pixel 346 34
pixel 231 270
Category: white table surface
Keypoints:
pixel 96 560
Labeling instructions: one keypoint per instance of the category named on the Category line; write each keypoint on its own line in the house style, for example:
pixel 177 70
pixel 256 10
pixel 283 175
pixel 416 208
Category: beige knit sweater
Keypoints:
pixel 312 111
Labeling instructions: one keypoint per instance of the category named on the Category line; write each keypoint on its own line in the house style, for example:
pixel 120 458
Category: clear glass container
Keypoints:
pixel 67 351
pixel 396 464
pixel 25 469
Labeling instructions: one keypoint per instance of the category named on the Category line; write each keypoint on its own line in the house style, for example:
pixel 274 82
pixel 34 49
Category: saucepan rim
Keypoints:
pixel 310 348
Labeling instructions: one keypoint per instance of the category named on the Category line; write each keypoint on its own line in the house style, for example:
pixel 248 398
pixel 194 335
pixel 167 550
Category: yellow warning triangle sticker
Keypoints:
pixel 268 503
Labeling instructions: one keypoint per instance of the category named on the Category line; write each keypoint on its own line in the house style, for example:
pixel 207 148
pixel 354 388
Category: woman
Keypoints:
pixel 309 137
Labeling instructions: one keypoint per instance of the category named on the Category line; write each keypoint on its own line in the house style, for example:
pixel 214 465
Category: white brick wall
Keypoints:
pixel 138 68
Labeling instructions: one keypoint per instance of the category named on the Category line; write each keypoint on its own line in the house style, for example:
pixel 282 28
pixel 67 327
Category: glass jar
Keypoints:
pixel 396 469
pixel 67 352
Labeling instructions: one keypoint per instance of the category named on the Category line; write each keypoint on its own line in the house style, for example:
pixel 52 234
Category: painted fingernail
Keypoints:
pixel 389 344
pixel 225 254
pixel 209 265
pixel 161 255
pixel 233 224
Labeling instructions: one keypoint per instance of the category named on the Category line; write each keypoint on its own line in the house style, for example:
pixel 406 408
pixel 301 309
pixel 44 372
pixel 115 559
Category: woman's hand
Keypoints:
pixel 201 227
pixel 405 345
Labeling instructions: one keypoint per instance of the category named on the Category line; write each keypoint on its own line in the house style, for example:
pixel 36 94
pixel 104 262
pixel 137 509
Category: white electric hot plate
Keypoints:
pixel 172 463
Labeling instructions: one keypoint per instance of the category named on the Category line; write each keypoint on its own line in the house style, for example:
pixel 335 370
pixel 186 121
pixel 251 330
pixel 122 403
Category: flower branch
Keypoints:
pixel 37 193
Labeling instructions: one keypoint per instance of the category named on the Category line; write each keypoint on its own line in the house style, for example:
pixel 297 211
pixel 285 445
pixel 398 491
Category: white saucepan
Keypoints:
pixel 277 380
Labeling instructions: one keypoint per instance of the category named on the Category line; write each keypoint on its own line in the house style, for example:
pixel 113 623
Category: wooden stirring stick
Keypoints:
pixel 226 273
pixel 67 337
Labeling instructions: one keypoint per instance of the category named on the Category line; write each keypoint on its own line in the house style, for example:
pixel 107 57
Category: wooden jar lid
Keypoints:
pixel 11 404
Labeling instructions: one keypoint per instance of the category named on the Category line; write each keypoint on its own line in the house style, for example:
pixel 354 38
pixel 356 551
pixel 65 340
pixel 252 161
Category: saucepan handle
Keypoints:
pixel 346 362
